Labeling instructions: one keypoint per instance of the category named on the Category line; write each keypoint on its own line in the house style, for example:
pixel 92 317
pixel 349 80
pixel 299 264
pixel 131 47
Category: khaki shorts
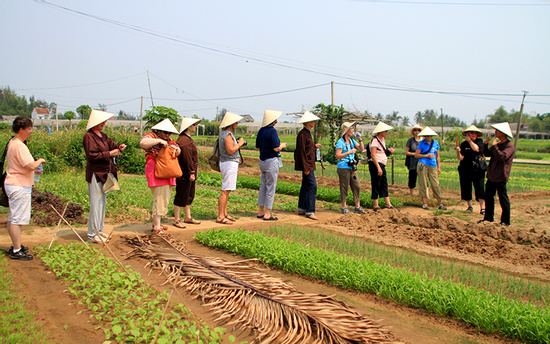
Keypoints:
pixel 161 198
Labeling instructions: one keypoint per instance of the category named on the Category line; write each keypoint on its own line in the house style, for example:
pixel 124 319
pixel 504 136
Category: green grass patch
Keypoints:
pixel 489 312
pixel 17 325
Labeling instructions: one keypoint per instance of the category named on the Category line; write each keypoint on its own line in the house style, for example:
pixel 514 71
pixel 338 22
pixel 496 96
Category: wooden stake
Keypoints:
pixel 71 227
pixel 163 314
pixel 105 243
pixel 95 259
pixel 57 228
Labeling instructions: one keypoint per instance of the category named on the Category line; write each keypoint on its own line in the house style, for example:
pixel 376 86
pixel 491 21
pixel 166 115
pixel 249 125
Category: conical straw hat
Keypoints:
pixel 427 132
pixel 98 117
pixel 308 117
pixel 165 125
pixel 416 126
pixel 381 127
pixel 346 126
pixel 230 118
pixel 111 184
pixel 270 116
pixel 473 129
pixel 504 128
pixel 187 122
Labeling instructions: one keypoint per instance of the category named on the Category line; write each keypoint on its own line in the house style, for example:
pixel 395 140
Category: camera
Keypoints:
pixel 245 142
pixel 353 164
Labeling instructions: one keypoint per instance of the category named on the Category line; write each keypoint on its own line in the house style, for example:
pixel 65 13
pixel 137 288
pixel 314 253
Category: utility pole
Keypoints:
pixel 140 118
pixel 150 91
pixel 56 120
pixel 332 93
pixel 442 131
pixel 519 122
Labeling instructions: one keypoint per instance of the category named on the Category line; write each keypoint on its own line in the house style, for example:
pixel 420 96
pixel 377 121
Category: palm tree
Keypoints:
pixel 70 115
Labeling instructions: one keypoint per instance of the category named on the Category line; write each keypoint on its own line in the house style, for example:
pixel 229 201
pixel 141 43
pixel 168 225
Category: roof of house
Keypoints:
pixel 42 111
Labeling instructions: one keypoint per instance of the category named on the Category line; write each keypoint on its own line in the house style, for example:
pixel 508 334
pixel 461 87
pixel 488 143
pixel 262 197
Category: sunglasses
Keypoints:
pixel 417 130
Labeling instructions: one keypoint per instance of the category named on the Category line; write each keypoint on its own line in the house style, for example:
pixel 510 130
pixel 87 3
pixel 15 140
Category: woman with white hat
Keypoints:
pixel 501 151
pixel 468 154
pixel 269 145
pixel 100 150
pixel 410 160
pixel 377 165
pixel 189 163
pixel 229 163
pixel 346 168
pixel 161 188
pixel 304 160
pixel 429 166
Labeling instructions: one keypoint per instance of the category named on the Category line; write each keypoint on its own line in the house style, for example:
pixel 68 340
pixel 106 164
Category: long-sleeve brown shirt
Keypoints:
pixel 189 157
pixel 98 158
pixel 500 165
pixel 304 155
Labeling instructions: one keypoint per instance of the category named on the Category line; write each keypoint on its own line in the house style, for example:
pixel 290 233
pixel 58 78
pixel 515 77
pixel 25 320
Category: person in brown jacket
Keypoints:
pixel 501 151
pixel 100 150
pixel 189 163
pixel 304 160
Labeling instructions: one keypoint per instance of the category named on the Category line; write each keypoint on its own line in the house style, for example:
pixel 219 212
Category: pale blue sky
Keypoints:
pixel 198 52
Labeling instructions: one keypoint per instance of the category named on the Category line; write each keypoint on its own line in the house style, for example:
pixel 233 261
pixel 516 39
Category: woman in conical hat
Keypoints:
pixel 346 147
pixel 100 151
pixel 429 166
pixel 304 160
pixel 189 163
pixel 269 145
pixel 468 153
pixel 411 161
pixel 161 188
pixel 377 165
pixel 229 148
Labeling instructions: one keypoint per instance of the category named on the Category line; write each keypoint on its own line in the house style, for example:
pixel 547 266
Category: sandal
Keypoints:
pixel 390 207
pixel 442 207
pixel 376 208
pixel 230 218
pixel 271 218
pixel 192 221
pixel 178 224
pixel 312 217
pixel 482 211
pixel 470 209
pixel 161 230
pixel 425 206
pixel 224 221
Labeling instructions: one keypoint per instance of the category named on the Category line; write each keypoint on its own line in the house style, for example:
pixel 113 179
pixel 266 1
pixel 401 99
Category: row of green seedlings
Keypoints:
pixel 17 325
pixel 119 299
pixel 490 312
pixel 323 194
pixel 533 291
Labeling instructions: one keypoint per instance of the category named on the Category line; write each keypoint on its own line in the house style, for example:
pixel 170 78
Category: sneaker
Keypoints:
pixel 504 224
pixel 25 249
pixel 470 209
pixel 103 235
pixel 20 255
pixel 442 207
pixel 344 210
pixel 95 240
pixel 425 206
pixel 359 210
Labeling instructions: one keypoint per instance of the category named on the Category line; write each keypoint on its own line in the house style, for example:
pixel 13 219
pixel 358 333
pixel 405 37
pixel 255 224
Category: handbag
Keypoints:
pixel 167 165
pixel 480 164
pixel 4 201
pixel 214 160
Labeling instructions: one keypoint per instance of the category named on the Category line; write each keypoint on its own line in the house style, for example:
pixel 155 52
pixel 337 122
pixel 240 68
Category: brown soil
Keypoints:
pixel 522 249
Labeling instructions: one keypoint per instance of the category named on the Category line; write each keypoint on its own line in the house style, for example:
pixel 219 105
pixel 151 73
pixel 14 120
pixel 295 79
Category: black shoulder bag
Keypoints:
pixel 4 201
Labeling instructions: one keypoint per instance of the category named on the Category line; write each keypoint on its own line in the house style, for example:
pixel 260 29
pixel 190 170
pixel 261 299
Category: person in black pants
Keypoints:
pixel 501 151
pixel 469 170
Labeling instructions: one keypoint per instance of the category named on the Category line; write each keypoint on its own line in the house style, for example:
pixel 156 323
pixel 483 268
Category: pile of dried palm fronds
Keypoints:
pixel 240 294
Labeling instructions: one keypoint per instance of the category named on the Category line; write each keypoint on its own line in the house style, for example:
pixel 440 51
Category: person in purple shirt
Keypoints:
pixel 501 152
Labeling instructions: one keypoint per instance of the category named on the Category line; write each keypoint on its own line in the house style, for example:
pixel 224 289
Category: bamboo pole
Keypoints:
pixel 57 228
pixel 71 227
pixel 108 248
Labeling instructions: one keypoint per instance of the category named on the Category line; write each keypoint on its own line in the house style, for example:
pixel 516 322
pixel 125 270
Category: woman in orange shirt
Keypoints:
pixel 20 171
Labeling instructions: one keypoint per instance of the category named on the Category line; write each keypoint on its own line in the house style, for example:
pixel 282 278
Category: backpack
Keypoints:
pixel 214 160
pixel 369 154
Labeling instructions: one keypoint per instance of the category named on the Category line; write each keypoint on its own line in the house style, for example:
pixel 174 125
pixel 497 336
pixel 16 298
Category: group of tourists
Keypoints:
pixel 422 159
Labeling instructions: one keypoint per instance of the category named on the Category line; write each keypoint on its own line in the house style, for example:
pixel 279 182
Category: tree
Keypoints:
pixel 332 117
pixel 13 105
pixel 158 113
pixel 393 118
pixel 102 107
pixel 70 115
pixel 84 111
pixel 419 117
pixel 405 121
pixel 124 116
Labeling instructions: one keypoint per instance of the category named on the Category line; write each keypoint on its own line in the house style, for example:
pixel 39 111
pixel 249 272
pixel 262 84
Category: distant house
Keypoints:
pixel 40 113
pixel 246 119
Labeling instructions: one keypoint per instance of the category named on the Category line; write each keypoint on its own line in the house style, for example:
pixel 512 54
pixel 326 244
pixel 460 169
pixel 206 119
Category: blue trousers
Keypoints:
pixel 308 193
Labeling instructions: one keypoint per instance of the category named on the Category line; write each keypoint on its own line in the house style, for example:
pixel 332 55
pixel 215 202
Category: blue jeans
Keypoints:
pixel 308 193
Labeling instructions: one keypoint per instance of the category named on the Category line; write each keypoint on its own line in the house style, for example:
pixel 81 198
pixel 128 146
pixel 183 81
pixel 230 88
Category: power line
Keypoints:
pixel 450 3
pixel 75 86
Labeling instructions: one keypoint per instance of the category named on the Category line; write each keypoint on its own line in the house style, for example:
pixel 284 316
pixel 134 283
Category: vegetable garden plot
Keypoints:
pixel 240 294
